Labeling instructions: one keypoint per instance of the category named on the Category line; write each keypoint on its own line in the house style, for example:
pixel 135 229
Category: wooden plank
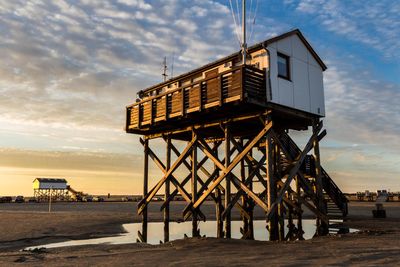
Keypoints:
pixel 212 73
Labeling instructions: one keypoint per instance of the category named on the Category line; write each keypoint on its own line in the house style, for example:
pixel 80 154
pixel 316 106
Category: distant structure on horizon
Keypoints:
pixel 56 188
pixel 43 188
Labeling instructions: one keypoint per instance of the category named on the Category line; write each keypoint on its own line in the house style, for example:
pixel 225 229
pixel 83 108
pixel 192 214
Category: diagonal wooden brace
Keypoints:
pixel 304 183
pixel 308 205
pixel 250 160
pixel 240 192
pixel 179 187
pixel 232 165
pixel 162 167
pixel 294 171
pixel 166 176
pixel 175 192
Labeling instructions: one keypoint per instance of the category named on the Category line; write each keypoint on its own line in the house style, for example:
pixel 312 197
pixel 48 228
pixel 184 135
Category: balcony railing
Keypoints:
pixel 242 83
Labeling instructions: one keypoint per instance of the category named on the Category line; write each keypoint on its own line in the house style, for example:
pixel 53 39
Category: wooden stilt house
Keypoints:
pixel 245 108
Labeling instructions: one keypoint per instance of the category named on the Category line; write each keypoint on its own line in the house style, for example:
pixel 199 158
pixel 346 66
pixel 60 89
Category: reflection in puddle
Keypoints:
pixel 177 231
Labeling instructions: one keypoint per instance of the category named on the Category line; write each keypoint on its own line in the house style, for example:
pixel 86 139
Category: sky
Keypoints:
pixel 69 68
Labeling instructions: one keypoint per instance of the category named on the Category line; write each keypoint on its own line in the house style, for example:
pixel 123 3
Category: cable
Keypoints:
pixel 234 20
pixel 251 5
pixel 254 21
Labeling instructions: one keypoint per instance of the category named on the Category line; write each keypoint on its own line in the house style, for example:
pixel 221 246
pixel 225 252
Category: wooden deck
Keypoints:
pixel 217 91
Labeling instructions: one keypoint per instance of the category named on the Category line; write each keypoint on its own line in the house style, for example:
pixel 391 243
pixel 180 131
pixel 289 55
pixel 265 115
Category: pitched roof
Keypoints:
pixel 302 38
pixel 250 49
pixel 51 180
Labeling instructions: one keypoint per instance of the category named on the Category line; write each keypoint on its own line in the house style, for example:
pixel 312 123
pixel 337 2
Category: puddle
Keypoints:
pixel 177 231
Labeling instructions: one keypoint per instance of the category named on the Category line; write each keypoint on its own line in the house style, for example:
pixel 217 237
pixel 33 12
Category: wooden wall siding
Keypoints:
pixel 159 107
pixel 254 84
pixel 237 84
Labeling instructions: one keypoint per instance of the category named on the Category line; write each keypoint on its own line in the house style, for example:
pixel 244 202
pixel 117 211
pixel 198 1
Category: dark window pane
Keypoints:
pixel 283 66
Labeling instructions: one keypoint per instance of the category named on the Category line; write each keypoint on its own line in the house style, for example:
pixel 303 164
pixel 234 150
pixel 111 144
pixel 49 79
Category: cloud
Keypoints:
pixel 372 23
pixel 69 68
pixel 81 63
pixel 361 110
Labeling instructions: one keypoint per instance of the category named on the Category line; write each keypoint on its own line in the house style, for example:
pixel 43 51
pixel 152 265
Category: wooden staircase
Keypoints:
pixel 336 201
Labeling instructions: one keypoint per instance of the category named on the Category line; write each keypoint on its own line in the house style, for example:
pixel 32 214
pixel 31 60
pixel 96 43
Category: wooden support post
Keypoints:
pixel 193 183
pixel 291 226
pixel 218 204
pixel 299 214
pixel 245 202
pixel 167 192
pixel 322 227
pixel 281 221
pixel 272 190
pixel 281 208
pixel 250 202
pixel 145 189
pixel 228 182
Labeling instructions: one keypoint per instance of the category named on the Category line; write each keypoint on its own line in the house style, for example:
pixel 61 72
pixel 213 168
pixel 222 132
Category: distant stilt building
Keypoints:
pixel 235 117
pixel 44 188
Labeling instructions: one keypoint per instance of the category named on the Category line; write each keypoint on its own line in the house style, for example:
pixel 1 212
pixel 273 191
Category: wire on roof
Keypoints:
pixel 236 25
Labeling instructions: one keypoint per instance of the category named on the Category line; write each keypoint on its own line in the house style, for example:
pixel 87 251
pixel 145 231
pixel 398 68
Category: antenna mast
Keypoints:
pixel 165 75
pixel 244 44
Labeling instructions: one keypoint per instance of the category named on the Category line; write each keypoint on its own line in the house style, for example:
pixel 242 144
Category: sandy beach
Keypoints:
pixel 377 242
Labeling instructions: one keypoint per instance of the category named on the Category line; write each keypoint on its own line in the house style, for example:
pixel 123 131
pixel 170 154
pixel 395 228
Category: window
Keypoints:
pixel 283 66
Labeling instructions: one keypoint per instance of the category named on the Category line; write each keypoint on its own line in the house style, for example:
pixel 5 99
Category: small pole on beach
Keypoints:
pixel 50 196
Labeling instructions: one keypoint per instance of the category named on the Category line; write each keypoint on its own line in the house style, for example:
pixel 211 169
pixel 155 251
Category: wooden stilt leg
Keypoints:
pixel 281 221
pixel 322 227
pixel 299 214
pixel 291 226
pixel 218 205
pixel 281 208
pixel 271 182
pixel 167 192
pixel 250 203
pixel 244 198
pixel 228 183
pixel 145 189
pixel 195 231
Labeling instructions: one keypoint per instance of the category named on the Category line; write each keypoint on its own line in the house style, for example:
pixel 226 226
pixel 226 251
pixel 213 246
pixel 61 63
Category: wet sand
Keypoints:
pixel 29 224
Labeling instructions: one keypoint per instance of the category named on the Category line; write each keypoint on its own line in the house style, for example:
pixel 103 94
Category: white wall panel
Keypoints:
pixel 274 75
pixel 301 85
pixel 285 92
pixel 285 46
pixel 51 185
pixel 300 51
pixel 316 90
pixel 312 61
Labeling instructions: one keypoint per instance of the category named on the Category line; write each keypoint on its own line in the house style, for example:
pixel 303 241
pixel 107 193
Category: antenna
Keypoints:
pixel 172 65
pixel 164 74
pixel 244 44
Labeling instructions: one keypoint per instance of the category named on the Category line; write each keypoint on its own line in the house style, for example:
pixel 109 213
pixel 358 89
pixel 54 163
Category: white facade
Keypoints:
pixel 48 184
pixel 305 90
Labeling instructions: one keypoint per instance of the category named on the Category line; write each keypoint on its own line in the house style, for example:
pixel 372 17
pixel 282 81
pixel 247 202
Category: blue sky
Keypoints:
pixel 69 68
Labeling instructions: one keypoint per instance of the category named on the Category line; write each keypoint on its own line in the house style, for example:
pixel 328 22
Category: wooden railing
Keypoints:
pixel 236 84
